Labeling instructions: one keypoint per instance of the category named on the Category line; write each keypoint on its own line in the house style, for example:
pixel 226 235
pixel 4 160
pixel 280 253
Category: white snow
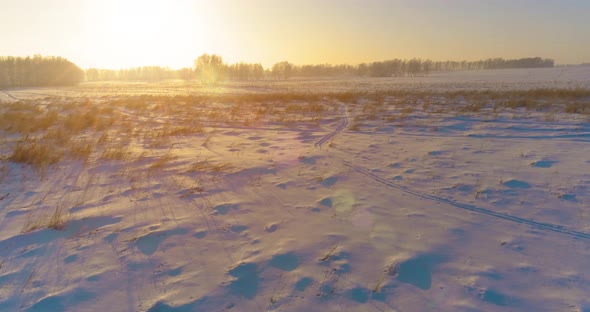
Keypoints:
pixel 435 211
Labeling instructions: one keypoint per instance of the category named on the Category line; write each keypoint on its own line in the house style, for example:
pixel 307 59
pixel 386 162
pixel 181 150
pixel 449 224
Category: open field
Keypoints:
pixel 442 193
pixel 483 80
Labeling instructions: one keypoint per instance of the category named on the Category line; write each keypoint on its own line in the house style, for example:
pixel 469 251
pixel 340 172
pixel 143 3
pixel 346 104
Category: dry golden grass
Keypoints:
pixel 54 129
pixel 56 221
pixel 30 151
pixel 162 161
pixel 82 150
pixel 115 153
pixel 58 136
pixel 207 166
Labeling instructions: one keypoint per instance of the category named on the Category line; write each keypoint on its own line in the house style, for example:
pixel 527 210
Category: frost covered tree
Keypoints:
pixel 209 68
pixel 282 70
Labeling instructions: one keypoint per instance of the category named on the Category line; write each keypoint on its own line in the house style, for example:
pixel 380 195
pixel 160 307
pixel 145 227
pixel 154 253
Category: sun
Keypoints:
pixel 147 32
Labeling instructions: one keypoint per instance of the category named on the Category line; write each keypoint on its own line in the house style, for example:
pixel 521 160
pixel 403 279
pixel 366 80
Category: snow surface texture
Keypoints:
pixel 430 212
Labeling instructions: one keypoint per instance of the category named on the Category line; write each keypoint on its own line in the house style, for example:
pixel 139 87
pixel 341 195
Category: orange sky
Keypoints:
pixel 117 33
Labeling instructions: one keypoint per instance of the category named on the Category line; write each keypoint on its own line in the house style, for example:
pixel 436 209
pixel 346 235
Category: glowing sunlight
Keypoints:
pixel 144 32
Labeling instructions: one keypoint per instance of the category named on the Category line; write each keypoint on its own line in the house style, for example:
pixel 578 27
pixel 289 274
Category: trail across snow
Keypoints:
pixel 539 225
pixel 561 229
pixel 339 129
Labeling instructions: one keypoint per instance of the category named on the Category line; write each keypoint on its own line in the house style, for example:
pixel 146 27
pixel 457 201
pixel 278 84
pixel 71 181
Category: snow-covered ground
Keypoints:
pixel 416 208
pixel 499 80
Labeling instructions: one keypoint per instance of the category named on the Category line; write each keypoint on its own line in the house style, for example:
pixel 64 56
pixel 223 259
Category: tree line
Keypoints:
pixel 38 71
pixel 207 68
pixel 417 67
pixel 389 68
pixel 210 69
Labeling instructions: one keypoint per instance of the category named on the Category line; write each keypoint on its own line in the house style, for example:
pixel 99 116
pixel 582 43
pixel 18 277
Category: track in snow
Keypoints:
pixel 332 134
pixel 539 225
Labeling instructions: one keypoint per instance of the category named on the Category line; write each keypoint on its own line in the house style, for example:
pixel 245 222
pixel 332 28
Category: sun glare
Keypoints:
pixel 148 32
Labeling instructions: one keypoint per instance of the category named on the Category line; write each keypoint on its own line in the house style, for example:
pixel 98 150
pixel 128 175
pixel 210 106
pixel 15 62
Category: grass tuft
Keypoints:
pixel 31 152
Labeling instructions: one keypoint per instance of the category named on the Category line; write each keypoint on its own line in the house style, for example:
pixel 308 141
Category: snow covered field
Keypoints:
pixel 258 198
pixel 499 80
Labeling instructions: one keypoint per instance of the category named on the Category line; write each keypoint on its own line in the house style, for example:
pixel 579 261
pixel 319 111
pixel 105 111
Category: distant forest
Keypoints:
pixel 38 71
pixel 210 69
